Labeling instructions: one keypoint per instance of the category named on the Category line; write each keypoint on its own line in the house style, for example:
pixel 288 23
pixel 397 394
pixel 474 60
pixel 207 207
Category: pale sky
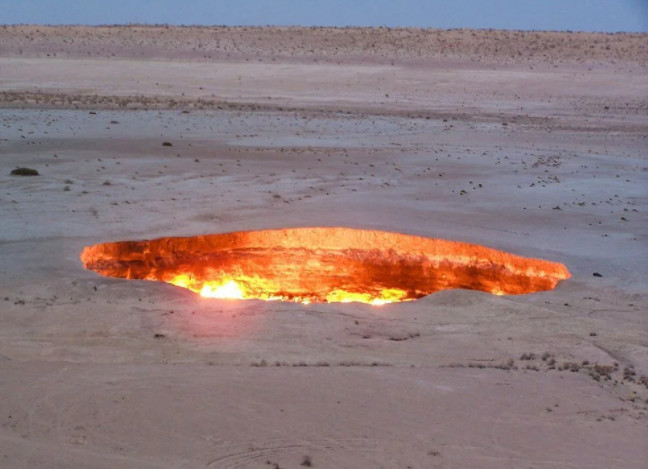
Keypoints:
pixel 576 15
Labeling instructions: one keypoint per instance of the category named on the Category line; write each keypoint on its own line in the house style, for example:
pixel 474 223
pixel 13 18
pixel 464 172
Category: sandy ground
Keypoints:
pixel 536 155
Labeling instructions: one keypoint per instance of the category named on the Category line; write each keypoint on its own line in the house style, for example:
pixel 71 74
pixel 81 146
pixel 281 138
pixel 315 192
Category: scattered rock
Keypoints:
pixel 24 172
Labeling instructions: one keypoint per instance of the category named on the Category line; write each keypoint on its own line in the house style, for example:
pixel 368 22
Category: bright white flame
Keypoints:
pixel 379 302
pixel 230 290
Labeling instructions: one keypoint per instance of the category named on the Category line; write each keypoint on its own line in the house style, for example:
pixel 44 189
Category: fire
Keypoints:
pixel 229 291
pixel 389 295
pixel 224 289
pixel 310 265
pixel 249 288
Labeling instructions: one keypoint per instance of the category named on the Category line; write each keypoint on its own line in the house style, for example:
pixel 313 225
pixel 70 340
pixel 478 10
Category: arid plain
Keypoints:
pixel 529 142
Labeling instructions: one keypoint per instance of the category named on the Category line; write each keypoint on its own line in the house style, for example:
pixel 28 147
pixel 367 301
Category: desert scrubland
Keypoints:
pixel 534 143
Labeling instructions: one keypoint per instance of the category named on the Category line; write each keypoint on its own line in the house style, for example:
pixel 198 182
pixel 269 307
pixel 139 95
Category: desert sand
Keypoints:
pixel 532 143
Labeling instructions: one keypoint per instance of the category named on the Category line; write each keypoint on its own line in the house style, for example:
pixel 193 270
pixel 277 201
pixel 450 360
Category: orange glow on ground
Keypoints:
pixel 310 265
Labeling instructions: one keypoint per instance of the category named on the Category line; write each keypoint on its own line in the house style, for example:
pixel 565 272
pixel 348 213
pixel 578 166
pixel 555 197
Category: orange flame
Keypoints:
pixel 322 265
pixel 227 288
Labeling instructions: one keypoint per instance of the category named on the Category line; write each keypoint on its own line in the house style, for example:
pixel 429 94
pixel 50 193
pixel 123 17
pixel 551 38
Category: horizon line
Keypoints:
pixel 431 28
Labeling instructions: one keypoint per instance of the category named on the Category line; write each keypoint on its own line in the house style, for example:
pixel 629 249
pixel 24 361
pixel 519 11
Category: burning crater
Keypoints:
pixel 322 265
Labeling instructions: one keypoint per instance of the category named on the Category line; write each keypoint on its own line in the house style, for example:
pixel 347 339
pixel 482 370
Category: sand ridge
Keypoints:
pixel 322 44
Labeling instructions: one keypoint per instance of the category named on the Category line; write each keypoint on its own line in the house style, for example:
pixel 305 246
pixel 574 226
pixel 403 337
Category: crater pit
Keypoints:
pixel 322 265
